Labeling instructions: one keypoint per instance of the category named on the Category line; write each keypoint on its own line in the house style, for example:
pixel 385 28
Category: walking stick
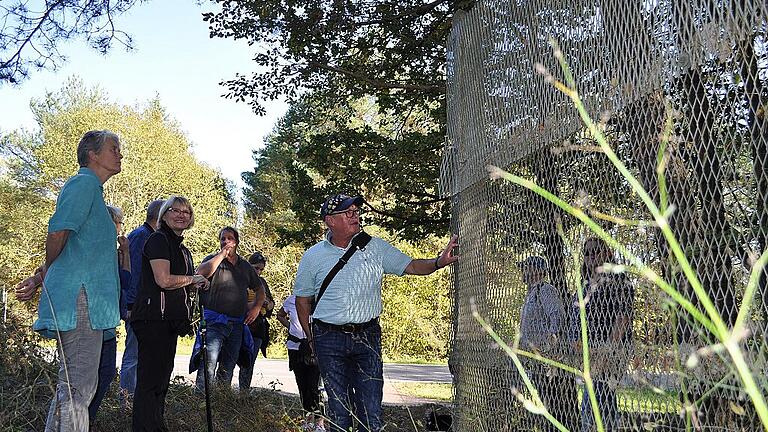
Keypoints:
pixel 204 347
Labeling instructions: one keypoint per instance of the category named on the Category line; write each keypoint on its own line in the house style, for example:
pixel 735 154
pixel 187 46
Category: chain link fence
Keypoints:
pixel 695 69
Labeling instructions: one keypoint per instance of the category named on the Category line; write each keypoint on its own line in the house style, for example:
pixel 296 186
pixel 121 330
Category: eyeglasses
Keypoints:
pixel 347 213
pixel 178 211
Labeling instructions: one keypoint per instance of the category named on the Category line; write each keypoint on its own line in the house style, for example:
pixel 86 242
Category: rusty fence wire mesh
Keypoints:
pixel 700 67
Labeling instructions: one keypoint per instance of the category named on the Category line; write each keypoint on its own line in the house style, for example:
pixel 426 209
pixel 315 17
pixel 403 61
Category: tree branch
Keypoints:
pixel 378 84
pixel 16 57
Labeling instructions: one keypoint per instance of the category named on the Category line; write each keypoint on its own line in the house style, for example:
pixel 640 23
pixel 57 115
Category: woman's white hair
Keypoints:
pixel 115 213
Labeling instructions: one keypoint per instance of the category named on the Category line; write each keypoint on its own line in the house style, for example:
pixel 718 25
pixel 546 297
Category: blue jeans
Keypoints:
pixel 246 372
pixel 223 348
pixel 130 361
pixel 351 368
pixel 606 402
pixel 107 372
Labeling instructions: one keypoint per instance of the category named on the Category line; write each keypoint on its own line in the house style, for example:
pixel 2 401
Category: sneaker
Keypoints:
pixel 125 400
pixel 320 425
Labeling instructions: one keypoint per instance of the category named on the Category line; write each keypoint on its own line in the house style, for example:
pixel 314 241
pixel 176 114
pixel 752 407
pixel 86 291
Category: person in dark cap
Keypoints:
pixel 541 320
pixel 342 275
pixel 542 313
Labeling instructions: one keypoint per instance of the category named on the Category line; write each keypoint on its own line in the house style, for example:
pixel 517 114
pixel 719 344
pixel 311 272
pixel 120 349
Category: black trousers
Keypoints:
pixel 307 380
pixel 157 349
pixel 560 395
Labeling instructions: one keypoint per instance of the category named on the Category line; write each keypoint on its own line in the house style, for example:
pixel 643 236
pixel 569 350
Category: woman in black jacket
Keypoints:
pixel 162 311
pixel 609 304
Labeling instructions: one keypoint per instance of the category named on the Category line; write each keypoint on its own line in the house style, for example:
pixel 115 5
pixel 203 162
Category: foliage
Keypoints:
pixel 23 222
pixel 157 163
pixel 328 58
pixel 416 320
pixel 26 375
pixel 31 34
pixel 321 147
pixel 392 49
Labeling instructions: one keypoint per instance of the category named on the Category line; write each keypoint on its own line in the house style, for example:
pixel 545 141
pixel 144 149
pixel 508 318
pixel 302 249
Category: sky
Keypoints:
pixel 174 59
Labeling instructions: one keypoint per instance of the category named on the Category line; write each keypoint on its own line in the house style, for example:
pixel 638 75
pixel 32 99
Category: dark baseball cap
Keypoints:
pixel 339 202
pixel 536 262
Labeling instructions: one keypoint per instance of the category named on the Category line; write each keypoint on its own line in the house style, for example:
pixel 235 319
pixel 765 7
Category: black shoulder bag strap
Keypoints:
pixel 359 242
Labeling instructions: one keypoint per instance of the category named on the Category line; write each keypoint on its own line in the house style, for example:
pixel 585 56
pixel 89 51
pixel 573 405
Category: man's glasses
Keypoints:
pixel 347 213
pixel 179 211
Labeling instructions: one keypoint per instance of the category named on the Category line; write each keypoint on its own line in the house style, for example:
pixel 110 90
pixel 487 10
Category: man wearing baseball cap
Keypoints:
pixel 541 319
pixel 345 287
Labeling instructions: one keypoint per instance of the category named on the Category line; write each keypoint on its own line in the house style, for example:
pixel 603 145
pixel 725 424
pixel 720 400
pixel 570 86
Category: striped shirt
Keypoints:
pixel 541 316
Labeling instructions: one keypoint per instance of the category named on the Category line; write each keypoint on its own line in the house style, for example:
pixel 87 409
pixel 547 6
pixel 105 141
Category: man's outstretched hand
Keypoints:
pixel 447 257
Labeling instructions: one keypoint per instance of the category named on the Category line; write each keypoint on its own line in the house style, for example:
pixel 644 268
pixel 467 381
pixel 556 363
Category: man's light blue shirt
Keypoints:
pixel 354 295
pixel 88 260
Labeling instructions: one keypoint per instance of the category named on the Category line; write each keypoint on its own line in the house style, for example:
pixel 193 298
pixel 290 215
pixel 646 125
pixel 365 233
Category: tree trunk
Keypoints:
pixel 712 259
pixel 758 128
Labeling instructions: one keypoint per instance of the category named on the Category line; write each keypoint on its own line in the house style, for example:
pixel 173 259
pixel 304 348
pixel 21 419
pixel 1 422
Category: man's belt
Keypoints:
pixel 296 339
pixel 347 328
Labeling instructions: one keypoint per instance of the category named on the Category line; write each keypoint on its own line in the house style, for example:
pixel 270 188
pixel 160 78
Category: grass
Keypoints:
pixel 647 401
pixel 423 390
pixel 260 410
pixel 414 360
pixel 27 383
pixel 641 401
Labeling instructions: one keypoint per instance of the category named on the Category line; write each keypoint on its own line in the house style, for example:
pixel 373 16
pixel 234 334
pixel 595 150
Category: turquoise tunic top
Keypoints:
pixel 88 260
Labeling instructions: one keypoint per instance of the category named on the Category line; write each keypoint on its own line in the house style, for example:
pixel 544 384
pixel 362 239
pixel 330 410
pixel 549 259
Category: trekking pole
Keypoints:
pixel 204 349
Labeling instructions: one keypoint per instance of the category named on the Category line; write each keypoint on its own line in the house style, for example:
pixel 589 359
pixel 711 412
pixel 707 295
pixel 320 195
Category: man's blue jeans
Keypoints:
pixel 130 361
pixel 223 348
pixel 107 372
pixel 351 367
pixel 606 402
pixel 246 371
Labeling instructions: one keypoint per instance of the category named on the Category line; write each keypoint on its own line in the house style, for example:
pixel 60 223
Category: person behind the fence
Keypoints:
pixel 227 307
pixel 345 324
pixel 609 302
pixel 107 369
pixel 541 319
pixel 162 311
pixel 80 296
pixel 302 364
pixel 259 328
pixel 136 238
